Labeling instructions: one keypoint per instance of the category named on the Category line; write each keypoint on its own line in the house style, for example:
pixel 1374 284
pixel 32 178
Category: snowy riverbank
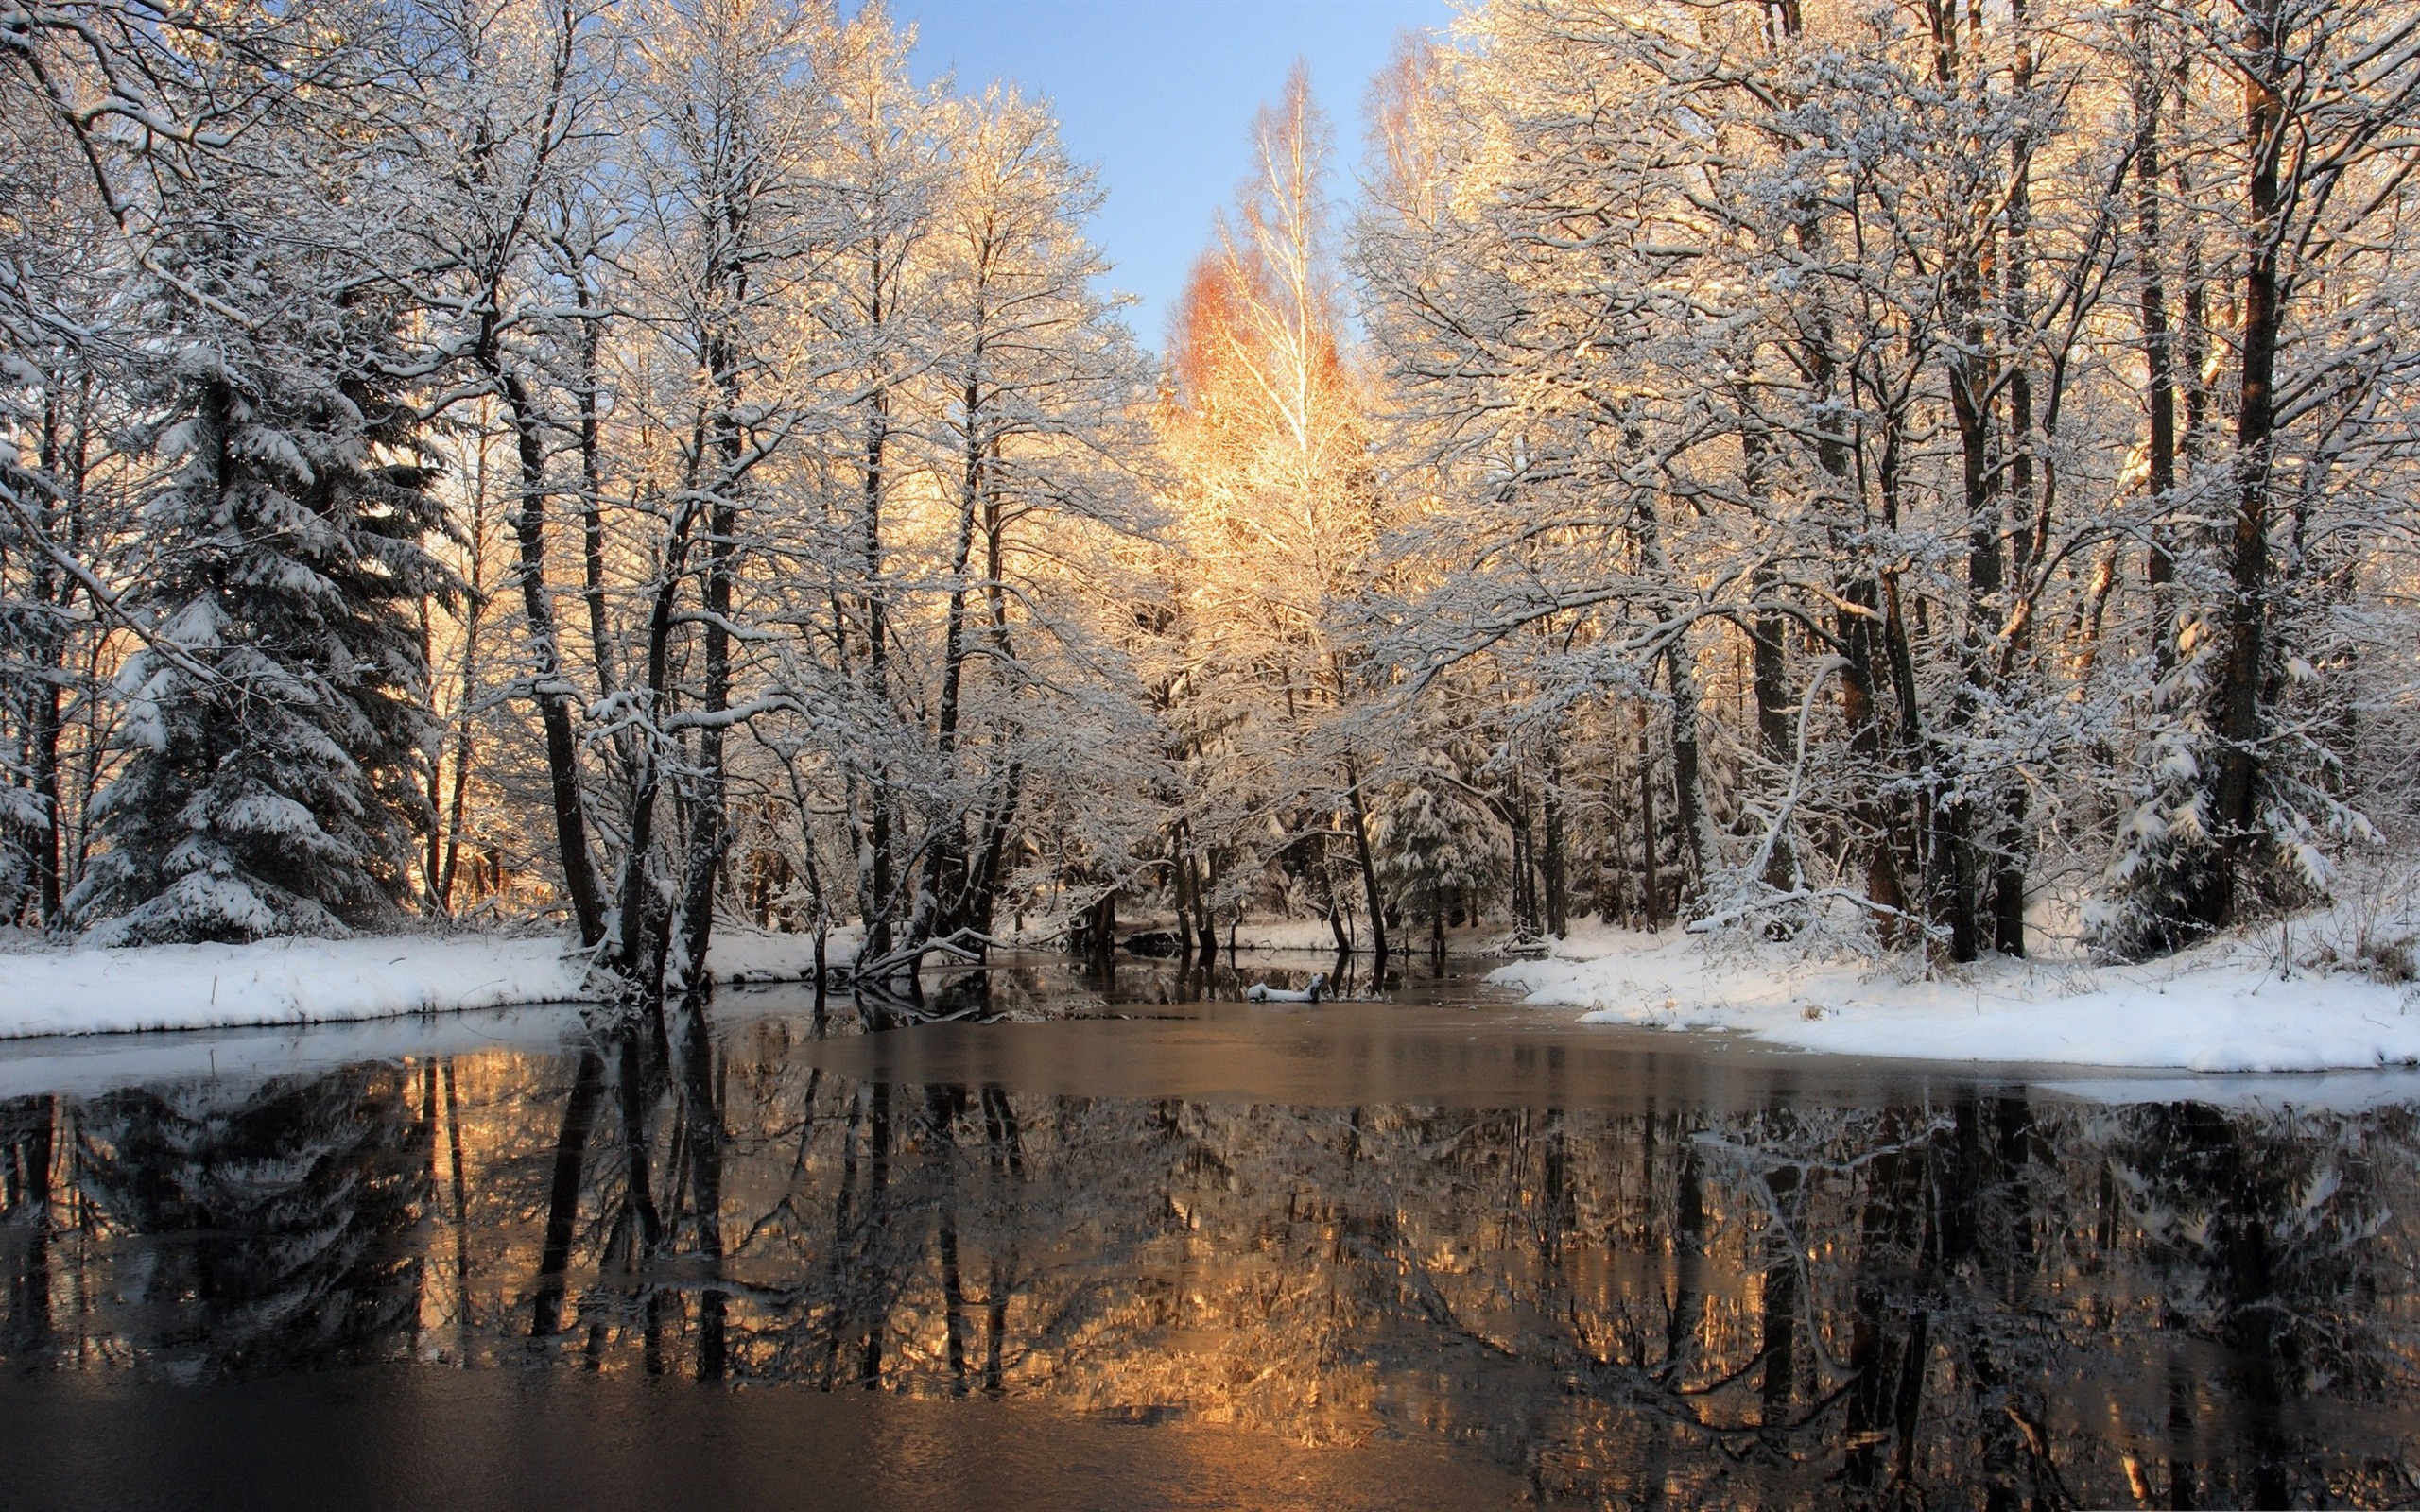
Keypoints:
pixel 50 991
pixel 2228 1005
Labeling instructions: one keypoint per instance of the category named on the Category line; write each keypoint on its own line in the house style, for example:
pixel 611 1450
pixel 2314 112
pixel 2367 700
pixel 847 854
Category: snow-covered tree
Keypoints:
pixel 1892 406
pixel 1280 512
pixel 2287 124
pixel 272 726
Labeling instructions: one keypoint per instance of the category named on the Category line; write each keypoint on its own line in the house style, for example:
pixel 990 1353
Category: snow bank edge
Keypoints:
pixel 291 982
pixel 2210 1011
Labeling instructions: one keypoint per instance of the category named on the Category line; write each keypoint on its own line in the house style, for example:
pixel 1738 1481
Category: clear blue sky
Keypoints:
pixel 1159 95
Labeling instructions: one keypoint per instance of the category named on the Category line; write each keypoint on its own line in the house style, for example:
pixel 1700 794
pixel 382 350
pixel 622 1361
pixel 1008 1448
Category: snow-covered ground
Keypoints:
pixel 1273 933
pixel 1282 934
pixel 2233 1005
pixel 89 991
pixel 746 956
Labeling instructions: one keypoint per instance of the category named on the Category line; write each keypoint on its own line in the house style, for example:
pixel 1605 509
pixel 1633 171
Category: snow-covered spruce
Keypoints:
pixel 270 725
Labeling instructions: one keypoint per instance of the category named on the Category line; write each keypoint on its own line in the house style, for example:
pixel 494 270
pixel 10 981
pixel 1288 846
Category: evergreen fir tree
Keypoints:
pixel 271 724
pixel 2147 906
pixel 1436 853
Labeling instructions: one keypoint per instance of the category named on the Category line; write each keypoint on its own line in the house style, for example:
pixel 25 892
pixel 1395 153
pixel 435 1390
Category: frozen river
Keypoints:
pixel 1130 1243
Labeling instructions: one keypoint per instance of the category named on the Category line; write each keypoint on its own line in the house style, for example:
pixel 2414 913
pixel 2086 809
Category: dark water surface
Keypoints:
pixel 1099 1244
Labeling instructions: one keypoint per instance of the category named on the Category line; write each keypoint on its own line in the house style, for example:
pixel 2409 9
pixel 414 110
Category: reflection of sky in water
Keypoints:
pixel 1439 1242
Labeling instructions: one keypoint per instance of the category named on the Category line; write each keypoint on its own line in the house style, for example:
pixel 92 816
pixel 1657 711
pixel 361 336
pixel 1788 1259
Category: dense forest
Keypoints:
pixel 1908 476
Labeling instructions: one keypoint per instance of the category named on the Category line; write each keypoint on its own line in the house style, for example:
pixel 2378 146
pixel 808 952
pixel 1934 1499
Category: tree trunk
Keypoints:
pixel 1552 871
pixel 2159 375
pixel 710 834
pixel 1681 671
pixel 945 879
pixel 1000 815
pixel 880 843
pixel 473 612
pixel 1861 712
pixel 981 899
pixel 1368 861
pixel 1203 922
pixel 639 901
pixel 1436 920
pixel 592 489
pixel 1953 871
pixel 1650 884
pixel 1688 789
pixel 1324 868
pixel 1769 657
pixel 1181 884
pixel 2236 715
pixel 2029 536
pixel 554 695
pixel 67 457
pixel 1776 736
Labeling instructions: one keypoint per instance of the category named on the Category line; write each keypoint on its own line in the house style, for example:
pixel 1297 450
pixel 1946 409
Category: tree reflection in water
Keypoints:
pixel 1988 1299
